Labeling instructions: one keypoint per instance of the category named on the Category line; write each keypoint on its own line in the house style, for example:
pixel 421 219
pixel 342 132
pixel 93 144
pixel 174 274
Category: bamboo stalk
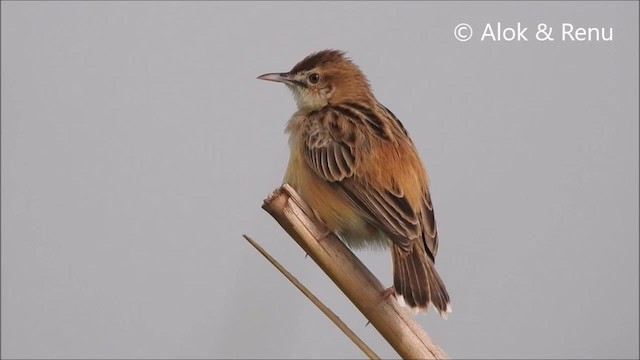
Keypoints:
pixel 364 290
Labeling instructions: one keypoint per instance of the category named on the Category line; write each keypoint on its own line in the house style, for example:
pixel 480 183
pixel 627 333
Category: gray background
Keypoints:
pixel 137 147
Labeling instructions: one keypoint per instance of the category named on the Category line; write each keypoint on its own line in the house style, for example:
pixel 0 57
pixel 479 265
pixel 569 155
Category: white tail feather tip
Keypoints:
pixel 419 309
pixel 401 301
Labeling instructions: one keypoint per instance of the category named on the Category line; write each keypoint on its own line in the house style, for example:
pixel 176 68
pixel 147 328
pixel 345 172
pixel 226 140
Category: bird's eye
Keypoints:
pixel 313 78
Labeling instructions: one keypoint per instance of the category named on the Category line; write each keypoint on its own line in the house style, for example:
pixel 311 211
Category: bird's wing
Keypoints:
pixel 429 228
pixel 336 151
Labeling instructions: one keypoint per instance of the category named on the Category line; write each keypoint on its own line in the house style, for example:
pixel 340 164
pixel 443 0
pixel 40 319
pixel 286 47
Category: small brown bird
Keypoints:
pixel 353 162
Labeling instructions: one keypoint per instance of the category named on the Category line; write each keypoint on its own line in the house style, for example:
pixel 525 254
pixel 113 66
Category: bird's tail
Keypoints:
pixel 416 282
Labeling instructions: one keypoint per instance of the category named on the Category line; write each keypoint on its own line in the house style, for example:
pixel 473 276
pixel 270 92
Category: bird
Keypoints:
pixel 354 163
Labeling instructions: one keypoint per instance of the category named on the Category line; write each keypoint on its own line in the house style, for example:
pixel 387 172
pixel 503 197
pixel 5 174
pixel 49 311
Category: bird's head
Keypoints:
pixel 323 78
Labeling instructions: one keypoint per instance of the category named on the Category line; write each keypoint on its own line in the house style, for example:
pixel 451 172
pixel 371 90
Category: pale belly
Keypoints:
pixel 339 216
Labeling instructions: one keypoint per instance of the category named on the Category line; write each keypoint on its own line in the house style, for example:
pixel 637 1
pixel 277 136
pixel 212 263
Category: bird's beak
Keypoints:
pixel 277 77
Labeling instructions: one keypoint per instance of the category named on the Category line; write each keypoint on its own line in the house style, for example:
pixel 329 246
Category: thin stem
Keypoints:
pixel 330 314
